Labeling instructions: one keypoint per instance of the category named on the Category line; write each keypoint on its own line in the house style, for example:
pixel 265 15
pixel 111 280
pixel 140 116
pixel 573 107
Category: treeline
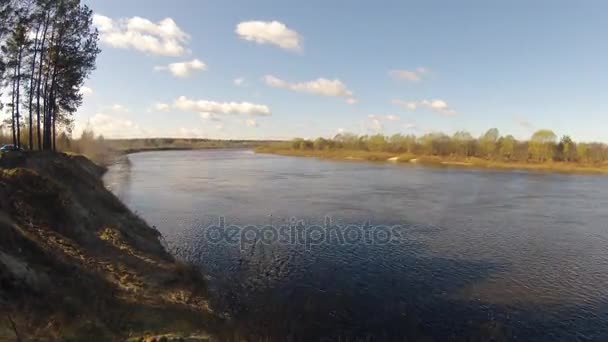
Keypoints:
pixel 543 146
pixel 47 50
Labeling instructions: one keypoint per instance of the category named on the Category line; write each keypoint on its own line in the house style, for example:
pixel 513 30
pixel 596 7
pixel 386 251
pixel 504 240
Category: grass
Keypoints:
pixel 472 162
pixel 94 270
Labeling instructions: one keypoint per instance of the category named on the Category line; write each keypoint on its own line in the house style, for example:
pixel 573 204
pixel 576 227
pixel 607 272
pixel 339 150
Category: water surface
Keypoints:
pixel 482 254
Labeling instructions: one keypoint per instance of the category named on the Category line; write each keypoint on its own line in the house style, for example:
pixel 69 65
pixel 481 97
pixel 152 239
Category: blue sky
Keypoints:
pixel 408 66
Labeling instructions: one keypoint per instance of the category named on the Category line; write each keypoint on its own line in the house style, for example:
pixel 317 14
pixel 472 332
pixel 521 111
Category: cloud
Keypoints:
pixel 86 91
pixel 183 69
pixel 389 117
pixel 351 101
pixel 118 108
pixel 269 32
pixel 409 126
pixel 524 123
pixel 103 23
pixel 251 123
pixel 320 86
pixel 377 125
pixel 212 108
pixel 162 107
pixel 239 82
pixel 184 132
pixel 411 105
pixel 209 116
pixel 113 127
pixel 409 75
pixel 437 105
pixel 162 38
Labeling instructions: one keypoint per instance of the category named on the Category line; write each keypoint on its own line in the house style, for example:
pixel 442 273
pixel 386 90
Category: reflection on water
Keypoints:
pixel 485 255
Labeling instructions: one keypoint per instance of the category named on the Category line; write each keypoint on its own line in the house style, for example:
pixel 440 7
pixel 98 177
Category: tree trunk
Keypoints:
pixel 13 121
pixel 54 120
pixel 31 99
pixel 45 109
pixel 51 99
pixel 39 85
pixel 53 137
pixel 16 103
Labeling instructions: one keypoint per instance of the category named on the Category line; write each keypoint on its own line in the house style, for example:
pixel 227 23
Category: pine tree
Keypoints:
pixel 47 49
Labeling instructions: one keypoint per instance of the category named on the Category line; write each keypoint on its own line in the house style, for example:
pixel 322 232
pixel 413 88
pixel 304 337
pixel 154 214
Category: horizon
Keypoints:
pixel 268 71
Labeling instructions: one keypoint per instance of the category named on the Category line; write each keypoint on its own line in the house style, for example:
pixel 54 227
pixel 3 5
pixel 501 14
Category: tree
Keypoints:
pixel 488 141
pixel 296 143
pixel 435 144
pixel 464 143
pixel 377 142
pixel 347 140
pixel 582 150
pixel 321 144
pixel 566 149
pixel 507 147
pixel 51 48
pixel 541 146
pixel 401 143
pixel 6 18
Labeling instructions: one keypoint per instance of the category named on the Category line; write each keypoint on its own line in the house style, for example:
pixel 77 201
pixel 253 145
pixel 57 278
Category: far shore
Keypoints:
pixel 477 163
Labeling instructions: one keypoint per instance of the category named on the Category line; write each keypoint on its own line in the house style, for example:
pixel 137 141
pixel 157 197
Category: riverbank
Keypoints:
pixel 381 156
pixel 106 151
pixel 77 264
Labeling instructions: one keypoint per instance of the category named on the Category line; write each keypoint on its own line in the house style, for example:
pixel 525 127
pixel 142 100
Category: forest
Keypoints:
pixel 47 50
pixel 544 146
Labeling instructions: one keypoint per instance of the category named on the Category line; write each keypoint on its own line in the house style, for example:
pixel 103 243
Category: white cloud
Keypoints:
pixel 437 105
pixel 184 132
pixel 161 38
pixel 162 107
pixel 209 116
pixel 269 32
pixel 320 86
pixel 389 117
pixel 119 108
pixel 411 105
pixel 351 101
pixel 113 127
pixel 215 108
pixel 183 69
pixel 524 123
pixel 409 75
pixel 103 23
pixel 377 125
pixel 86 91
pixel 239 81
pixel 409 126
pixel 251 123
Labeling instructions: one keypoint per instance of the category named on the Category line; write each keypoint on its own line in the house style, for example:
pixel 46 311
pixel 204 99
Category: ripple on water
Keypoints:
pixel 481 254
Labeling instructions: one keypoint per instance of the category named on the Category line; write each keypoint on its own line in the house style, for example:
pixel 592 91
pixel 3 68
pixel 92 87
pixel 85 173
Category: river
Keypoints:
pixel 453 253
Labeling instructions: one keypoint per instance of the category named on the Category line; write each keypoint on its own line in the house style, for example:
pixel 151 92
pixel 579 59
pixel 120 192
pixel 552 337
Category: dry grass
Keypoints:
pixel 94 269
pixel 362 155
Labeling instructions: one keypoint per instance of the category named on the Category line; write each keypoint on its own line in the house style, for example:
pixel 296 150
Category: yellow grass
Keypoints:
pixel 473 162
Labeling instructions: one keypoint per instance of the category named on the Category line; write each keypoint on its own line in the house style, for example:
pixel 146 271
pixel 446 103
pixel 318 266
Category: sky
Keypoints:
pixel 284 69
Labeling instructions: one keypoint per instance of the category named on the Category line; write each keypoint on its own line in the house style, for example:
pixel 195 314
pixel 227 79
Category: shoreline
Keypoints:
pixel 435 161
pixel 111 255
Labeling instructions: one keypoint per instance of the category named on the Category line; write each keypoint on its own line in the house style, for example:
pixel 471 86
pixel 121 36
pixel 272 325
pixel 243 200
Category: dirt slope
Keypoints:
pixel 76 264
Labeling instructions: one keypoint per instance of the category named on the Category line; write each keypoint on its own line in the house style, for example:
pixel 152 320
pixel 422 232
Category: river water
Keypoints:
pixel 454 254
